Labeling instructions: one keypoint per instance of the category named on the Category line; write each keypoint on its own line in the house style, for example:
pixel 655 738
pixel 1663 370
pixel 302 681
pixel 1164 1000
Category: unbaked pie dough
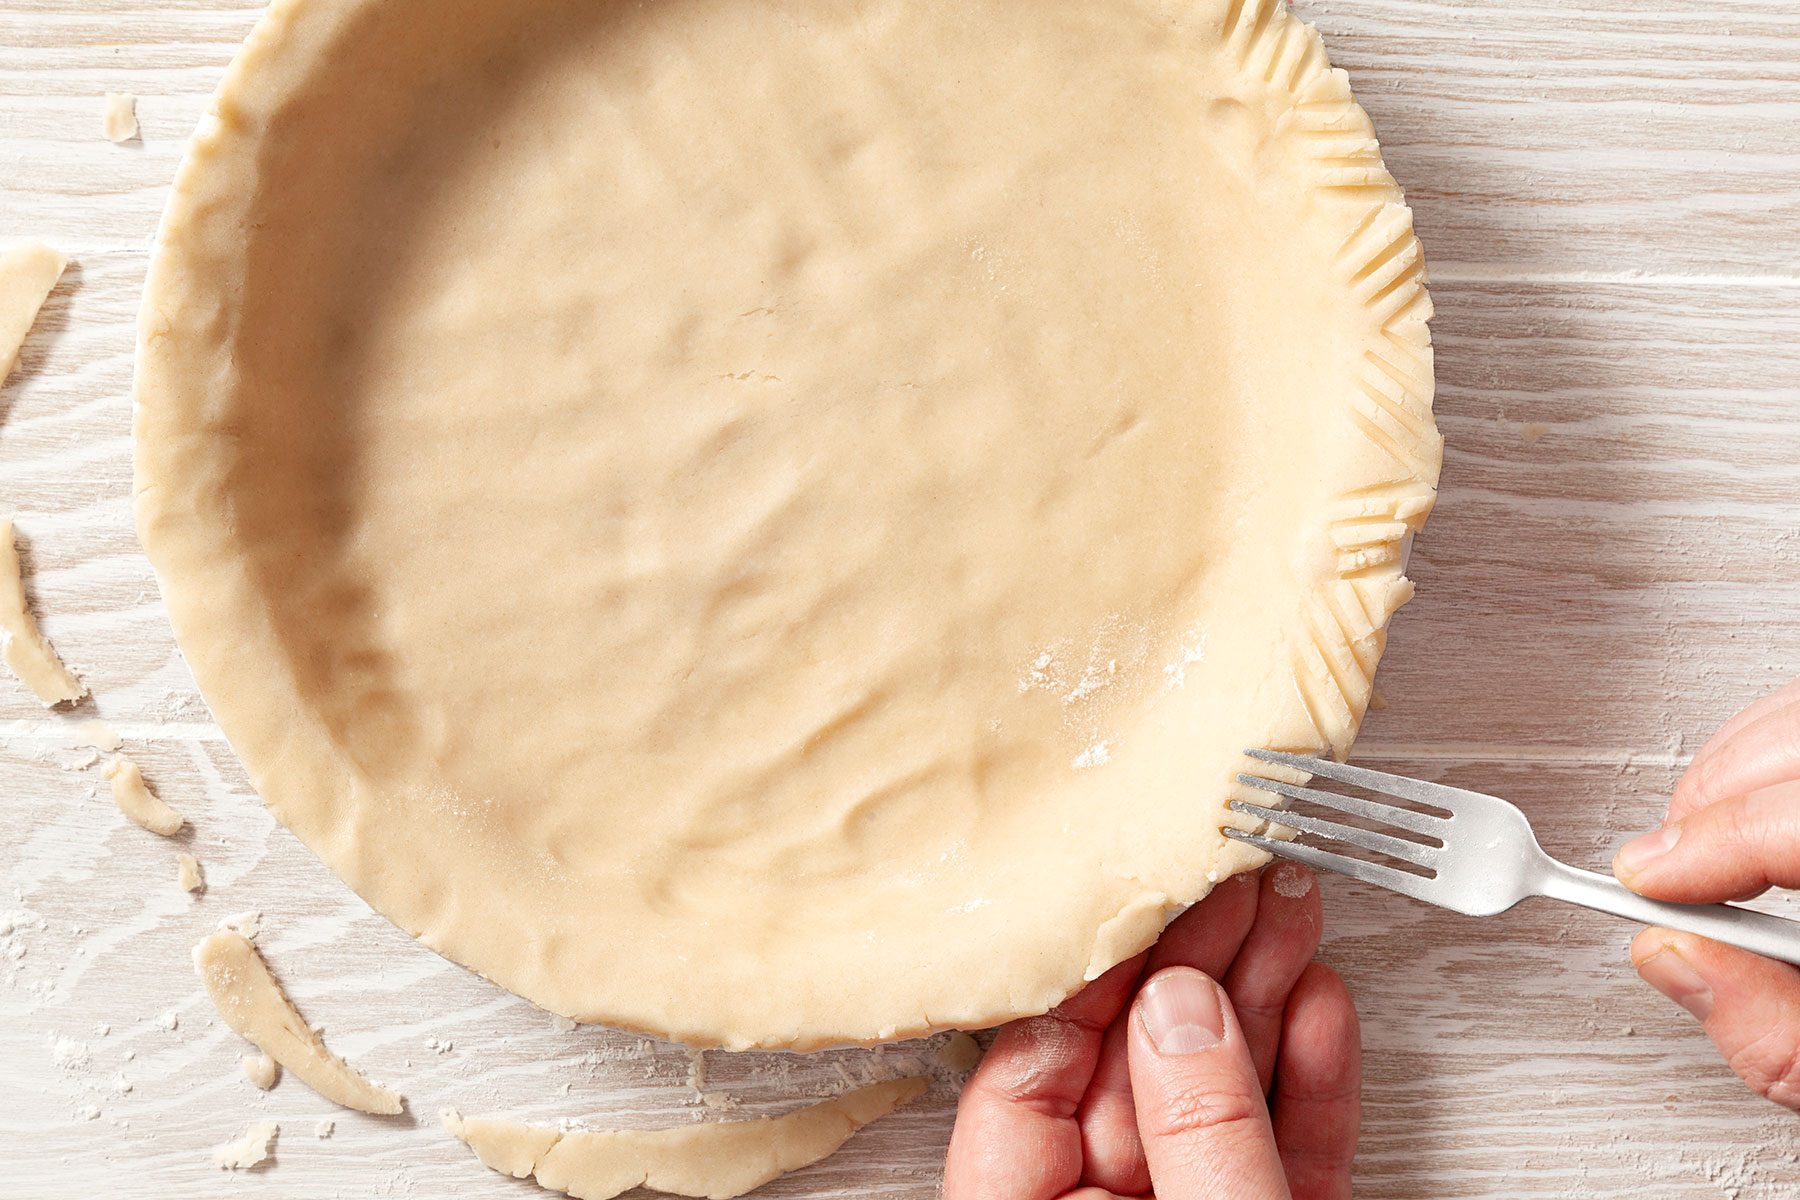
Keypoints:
pixel 716 1160
pixel 26 650
pixel 252 1003
pixel 137 801
pixel 771 523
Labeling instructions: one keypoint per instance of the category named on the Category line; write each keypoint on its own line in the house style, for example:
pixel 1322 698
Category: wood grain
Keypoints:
pixel 1610 194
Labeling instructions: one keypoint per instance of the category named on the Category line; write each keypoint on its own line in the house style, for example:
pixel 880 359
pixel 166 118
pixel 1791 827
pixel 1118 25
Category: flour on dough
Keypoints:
pixel 27 273
pixel 260 1070
pixel 137 801
pixel 187 872
pixel 253 1004
pixel 251 1148
pixel 121 124
pixel 716 1160
pixel 27 651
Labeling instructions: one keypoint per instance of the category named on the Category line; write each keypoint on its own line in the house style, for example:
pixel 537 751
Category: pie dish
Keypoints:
pixel 770 524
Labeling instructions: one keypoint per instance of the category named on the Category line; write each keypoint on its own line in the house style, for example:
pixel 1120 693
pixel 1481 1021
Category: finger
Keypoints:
pixel 1280 943
pixel 1750 1006
pixel 1015 1136
pixel 1205 937
pixel 1200 1108
pixel 1776 700
pixel 1113 1154
pixel 1318 1087
pixel 1761 751
pixel 1734 848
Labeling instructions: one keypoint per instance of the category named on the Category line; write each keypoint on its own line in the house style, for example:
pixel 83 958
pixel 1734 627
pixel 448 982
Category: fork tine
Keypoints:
pixel 1405 818
pixel 1417 790
pixel 1368 839
pixel 1391 878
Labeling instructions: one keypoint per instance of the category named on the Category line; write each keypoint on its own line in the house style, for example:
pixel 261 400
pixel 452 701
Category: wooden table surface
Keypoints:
pixel 1609 191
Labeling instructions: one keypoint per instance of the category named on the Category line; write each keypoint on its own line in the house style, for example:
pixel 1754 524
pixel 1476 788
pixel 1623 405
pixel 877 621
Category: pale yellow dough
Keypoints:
pixel 261 1070
pixel 716 1160
pixel 187 873
pixel 255 1007
pixel 22 644
pixel 252 1148
pixel 137 801
pixel 27 273
pixel 120 123
pixel 771 523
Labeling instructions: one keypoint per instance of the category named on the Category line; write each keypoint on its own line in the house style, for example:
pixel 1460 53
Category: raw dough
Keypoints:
pixel 27 273
pixel 253 1147
pixel 187 869
pixel 771 523
pixel 121 117
pixel 961 1053
pixel 261 1070
pixel 716 1160
pixel 137 801
pixel 253 1004
pixel 98 734
pixel 25 648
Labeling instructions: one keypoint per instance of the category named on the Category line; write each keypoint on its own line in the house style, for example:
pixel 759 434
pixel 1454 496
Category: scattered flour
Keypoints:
pixel 1291 881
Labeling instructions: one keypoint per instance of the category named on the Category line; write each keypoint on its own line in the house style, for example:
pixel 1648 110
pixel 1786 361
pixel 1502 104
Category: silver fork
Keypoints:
pixel 1486 858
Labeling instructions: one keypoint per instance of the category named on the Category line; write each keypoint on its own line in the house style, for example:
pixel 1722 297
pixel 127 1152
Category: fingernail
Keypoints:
pixel 1640 852
pixel 1669 973
pixel 1180 1012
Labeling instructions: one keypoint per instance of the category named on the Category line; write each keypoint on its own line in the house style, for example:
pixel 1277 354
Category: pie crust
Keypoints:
pixel 771 524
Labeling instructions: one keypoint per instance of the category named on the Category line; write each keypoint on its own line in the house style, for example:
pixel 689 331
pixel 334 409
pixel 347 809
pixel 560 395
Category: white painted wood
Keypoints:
pixel 1610 193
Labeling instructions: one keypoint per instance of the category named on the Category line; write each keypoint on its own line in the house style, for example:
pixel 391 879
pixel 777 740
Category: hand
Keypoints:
pixel 1156 1078
pixel 1733 831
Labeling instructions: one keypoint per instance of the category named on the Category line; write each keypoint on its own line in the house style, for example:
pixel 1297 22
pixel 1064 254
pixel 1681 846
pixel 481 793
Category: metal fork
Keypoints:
pixel 1485 858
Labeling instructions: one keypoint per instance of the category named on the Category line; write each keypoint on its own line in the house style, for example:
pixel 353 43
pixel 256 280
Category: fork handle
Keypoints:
pixel 1759 933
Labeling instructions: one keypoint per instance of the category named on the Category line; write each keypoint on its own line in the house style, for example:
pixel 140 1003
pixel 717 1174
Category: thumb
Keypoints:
pixel 1737 847
pixel 1200 1110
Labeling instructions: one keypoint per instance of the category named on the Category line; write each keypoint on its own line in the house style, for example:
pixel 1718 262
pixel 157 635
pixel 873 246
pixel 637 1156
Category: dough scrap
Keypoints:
pixel 98 734
pixel 253 1004
pixel 188 874
pixel 26 650
pixel 27 275
pixel 261 1070
pixel 137 801
pixel 253 1147
pixel 121 123
pixel 716 1160
pixel 935 439
pixel 960 1053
